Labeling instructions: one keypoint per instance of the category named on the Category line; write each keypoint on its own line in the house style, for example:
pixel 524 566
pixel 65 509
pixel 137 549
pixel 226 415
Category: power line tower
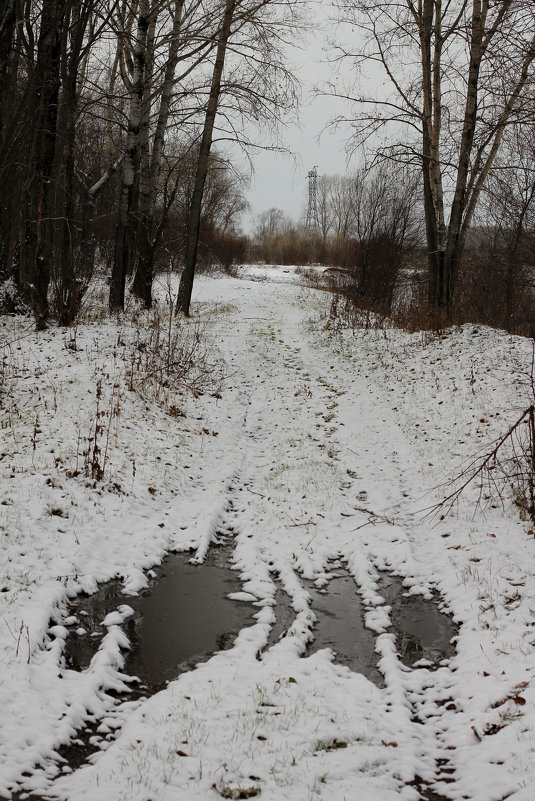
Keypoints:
pixel 312 209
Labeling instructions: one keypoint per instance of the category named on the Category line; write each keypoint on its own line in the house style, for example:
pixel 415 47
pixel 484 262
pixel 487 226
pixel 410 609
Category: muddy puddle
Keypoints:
pixel 422 631
pixel 340 626
pixel 183 617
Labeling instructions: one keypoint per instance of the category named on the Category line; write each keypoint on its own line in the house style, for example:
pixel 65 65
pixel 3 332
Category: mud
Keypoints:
pixel 422 631
pixel 184 616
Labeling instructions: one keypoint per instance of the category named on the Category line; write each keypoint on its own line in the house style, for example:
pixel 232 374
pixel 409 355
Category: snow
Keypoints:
pixel 310 446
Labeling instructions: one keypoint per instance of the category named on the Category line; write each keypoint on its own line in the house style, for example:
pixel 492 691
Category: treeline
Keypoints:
pixel 108 113
pixel 370 229
pixel 368 223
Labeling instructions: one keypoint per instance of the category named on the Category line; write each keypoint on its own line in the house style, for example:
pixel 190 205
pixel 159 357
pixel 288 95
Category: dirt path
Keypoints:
pixel 304 464
pixel 334 479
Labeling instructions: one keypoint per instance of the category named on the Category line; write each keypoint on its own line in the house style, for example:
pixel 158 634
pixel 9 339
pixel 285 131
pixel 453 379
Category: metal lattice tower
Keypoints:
pixel 312 210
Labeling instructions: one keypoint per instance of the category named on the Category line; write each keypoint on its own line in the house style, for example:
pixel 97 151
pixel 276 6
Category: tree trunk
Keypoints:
pixel 9 49
pixel 43 108
pixel 431 44
pixel 142 286
pixel 130 163
pixel 194 215
pixel 453 251
pixel 63 170
pixel 8 18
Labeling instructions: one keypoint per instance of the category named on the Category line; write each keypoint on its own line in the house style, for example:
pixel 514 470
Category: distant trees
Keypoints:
pixel 369 224
pixel 110 111
pixel 458 74
pixel 385 230
pixel 272 233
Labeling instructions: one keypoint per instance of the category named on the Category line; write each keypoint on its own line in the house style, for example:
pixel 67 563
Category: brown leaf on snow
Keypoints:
pixel 518 699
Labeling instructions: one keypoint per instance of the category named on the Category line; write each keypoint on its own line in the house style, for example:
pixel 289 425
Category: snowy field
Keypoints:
pixel 310 446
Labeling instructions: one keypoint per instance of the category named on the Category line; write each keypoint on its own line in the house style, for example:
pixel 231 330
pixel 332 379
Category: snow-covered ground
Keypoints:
pixel 311 446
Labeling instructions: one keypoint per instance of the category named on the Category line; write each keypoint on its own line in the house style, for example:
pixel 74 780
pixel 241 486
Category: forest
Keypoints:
pixel 115 121
pixel 108 112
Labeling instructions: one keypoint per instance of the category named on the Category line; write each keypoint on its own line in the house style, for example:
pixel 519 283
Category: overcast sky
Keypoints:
pixel 280 180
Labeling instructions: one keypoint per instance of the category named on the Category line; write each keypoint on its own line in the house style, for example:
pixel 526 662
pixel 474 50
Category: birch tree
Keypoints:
pixel 131 155
pixel 188 50
pixel 185 33
pixel 455 74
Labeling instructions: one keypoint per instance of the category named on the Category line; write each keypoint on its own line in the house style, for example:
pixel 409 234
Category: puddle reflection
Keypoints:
pixel 422 630
pixel 340 626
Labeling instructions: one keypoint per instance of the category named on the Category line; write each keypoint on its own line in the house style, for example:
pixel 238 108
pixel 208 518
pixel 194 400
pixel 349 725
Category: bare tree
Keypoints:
pixel 10 11
pixel 109 101
pixel 50 73
pixel 192 234
pixel 496 284
pixel 326 216
pixel 258 86
pixel 383 227
pixel 84 23
pixel 130 165
pixel 10 111
pixel 458 72
pixel 186 34
pixel 188 47
pixel 271 229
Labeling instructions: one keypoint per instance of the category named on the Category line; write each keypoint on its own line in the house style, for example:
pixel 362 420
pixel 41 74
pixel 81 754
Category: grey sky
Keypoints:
pixel 280 180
